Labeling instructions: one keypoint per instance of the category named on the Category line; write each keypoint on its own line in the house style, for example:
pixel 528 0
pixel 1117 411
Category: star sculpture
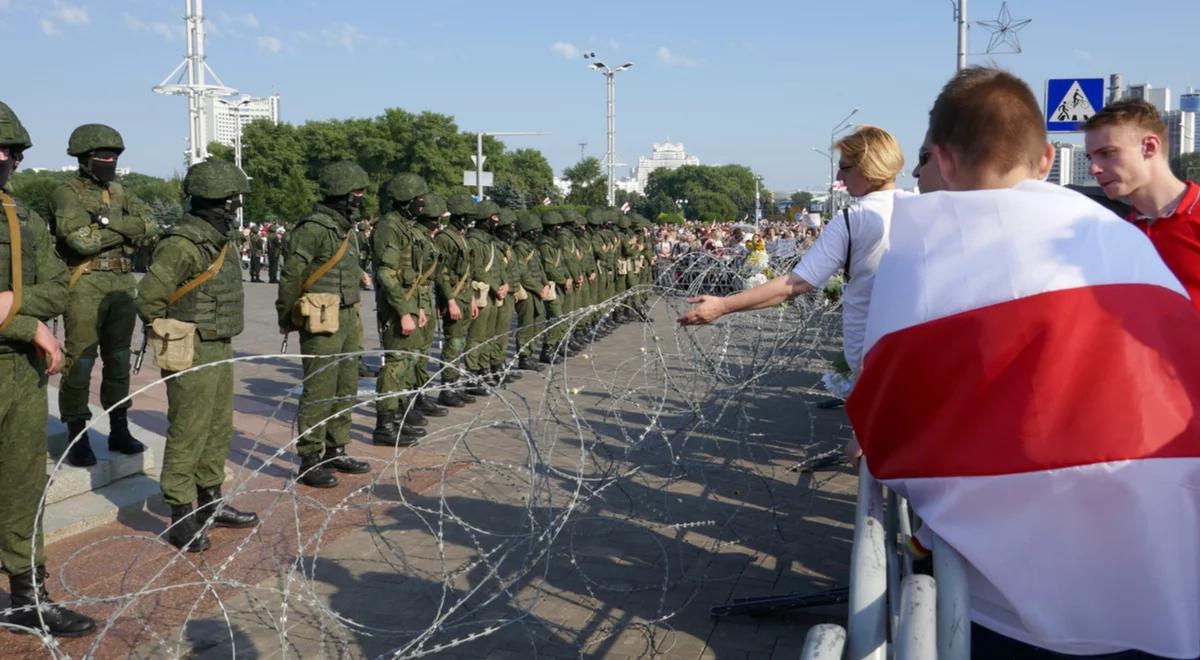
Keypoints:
pixel 1004 31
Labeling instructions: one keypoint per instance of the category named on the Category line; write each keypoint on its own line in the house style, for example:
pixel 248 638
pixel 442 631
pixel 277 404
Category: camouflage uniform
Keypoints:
pixel 199 436
pixel 330 383
pixel 254 249
pixel 487 270
pixel 99 226
pixel 23 408
pixel 531 312
pixel 555 266
pixel 498 348
pixel 454 283
pixel 405 261
pixel 276 246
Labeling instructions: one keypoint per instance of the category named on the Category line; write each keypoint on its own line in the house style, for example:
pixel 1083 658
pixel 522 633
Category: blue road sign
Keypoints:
pixel 1072 101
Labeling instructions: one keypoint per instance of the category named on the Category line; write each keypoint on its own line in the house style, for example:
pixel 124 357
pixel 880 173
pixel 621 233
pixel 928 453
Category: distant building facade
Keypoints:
pixel 227 116
pixel 669 155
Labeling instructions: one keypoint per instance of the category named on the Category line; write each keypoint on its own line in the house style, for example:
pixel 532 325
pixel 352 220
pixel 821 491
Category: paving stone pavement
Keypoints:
pixel 598 509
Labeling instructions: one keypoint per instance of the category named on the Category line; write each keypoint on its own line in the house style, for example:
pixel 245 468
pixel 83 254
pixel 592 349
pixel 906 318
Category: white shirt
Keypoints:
pixel 870 220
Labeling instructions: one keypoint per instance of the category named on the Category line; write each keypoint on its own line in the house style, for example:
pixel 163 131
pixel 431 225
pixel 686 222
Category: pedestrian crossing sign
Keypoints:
pixel 1072 101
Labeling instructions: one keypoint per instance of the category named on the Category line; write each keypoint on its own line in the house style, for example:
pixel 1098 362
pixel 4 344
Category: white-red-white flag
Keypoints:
pixel 1032 384
pixel 546 201
pixel 625 207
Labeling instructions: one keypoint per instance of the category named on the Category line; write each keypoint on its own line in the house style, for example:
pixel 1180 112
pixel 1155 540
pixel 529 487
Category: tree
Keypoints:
pixel 711 207
pixel 734 182
pixel 588 186
pixel 35 188
pixel 801 199
pixel 1187 166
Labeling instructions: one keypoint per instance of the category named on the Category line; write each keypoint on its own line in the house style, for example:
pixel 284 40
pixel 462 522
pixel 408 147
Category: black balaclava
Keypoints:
pixel 220 213
pixel 411 209
pixel 101 171
pixel 6 169
pixel 341 204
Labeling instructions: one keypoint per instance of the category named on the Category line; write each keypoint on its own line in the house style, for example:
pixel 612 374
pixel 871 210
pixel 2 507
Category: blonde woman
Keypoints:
pixel 851 244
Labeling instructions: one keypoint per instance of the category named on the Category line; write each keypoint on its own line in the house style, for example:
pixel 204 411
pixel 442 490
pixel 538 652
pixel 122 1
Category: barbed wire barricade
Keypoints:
pixel 621 477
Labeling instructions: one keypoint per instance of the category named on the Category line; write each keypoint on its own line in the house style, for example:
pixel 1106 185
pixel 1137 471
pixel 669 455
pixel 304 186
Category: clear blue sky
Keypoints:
pixel 751 82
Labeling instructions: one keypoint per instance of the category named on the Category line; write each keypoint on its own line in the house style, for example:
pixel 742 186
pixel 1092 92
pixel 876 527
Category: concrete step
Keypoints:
pixel 79 499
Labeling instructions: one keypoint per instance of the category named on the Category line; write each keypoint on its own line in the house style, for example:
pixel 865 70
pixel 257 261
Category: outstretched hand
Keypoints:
pixel 705 309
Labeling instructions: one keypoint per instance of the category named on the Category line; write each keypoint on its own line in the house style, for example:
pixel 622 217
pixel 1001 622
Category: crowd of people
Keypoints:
pixel 1025 365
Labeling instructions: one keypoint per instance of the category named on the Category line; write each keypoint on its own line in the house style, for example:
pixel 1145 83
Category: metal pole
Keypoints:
pixel 479 165
pixel 612 156
pixel 757 206
pixel 962 35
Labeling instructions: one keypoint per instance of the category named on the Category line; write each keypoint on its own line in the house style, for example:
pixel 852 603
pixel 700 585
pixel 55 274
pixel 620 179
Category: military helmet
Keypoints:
pixel 486 209
pixel 214 179
pixel 12 133
pixel 90 137
pixel 528 222
pixel 595 217
pixel 507 218
pixel 405 187
pixel 552 218
pixel 461 204
pixel 434 207
pixel 623 222
pixel 342 178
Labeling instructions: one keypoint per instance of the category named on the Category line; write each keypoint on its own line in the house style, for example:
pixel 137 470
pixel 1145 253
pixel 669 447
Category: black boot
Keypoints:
pixel 34 609
pixel 119 438
pixel 186 532
pixel 505 374
pixel 212 505
pixel 476 384
pixel 410 416
pixel 547 356
pixel 527 363
pixel 314 474
pixel 490 376
pixel 460 390
pixel 429 408
pixel 451 398
pixel 336 458
pixel 80 454
pixel 409 432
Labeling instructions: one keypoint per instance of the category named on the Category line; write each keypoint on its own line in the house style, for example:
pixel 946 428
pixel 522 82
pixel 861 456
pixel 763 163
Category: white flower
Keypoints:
pixel 755 280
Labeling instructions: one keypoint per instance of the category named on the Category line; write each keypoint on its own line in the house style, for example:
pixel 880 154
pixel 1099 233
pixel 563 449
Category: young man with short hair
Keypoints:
pixel 1126 143
pixel 1029 384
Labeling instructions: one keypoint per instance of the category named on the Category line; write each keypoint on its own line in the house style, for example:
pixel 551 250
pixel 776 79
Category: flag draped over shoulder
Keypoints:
pixel 1032 383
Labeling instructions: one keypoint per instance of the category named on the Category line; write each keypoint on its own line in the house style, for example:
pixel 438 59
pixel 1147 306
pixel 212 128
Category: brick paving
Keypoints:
pixel 616 544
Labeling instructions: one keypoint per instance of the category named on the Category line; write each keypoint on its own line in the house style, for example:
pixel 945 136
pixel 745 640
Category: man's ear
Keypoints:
pixel 947 162
pixel 1046 162
pixel 1151 146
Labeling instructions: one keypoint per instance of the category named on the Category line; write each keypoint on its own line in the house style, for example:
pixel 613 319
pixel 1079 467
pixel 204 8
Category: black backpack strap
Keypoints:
pixel 849 246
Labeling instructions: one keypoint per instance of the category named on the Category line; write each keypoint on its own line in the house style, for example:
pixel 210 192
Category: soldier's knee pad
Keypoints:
pixel 79 373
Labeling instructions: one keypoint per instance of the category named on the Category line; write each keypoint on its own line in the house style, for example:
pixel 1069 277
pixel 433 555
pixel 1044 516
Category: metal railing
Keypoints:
pixel 893 612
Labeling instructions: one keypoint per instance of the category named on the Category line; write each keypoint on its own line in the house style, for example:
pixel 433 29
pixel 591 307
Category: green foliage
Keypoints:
pixel 669 219
pixel 1187 166
pixel 715 187
pixel 35 188
pixel 801 199
pixel 589 187
pixel 712 207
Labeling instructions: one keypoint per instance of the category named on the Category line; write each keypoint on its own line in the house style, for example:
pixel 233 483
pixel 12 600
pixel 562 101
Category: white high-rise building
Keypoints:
pixel 1080 166
pixel 1064 162
pixel 226 116
pixel 1159 97
pixel 1181 133
pixel 667 154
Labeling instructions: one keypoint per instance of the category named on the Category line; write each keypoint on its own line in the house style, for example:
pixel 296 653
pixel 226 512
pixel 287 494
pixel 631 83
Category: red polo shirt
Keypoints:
pixel 1177 239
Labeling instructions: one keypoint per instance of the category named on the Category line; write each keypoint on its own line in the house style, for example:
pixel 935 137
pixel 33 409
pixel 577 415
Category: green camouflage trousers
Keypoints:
pixel 406 370
pixel 330 385
pixel 199 424
pixel 99 321
pixel 23 417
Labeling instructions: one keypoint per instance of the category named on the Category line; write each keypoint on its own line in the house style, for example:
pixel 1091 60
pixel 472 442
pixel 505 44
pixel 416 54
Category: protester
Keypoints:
pixel 1126 143
pixel 851 244
pixel 1029 385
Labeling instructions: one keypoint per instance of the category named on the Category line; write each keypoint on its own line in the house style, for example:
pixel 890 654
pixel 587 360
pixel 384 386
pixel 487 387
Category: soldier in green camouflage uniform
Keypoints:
pixel 99 226
pixel 532 280
pixel 489 281
pixel 200 403
pixel 254 249
pixel 405 261
pixel 453 287
pixel 28 352
pixel 504 233
pixel 555 266
pixel 608 249
pixel 646 276
pixel 330 383
pixel 586 294
pixel 629 252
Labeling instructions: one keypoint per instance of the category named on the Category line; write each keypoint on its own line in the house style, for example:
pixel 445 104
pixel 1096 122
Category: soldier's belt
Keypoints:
pixel 109 264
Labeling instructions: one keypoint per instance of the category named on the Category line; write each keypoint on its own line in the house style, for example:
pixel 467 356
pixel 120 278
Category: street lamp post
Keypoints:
pixel 237 148
pixel 609 74
pixel 837 128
